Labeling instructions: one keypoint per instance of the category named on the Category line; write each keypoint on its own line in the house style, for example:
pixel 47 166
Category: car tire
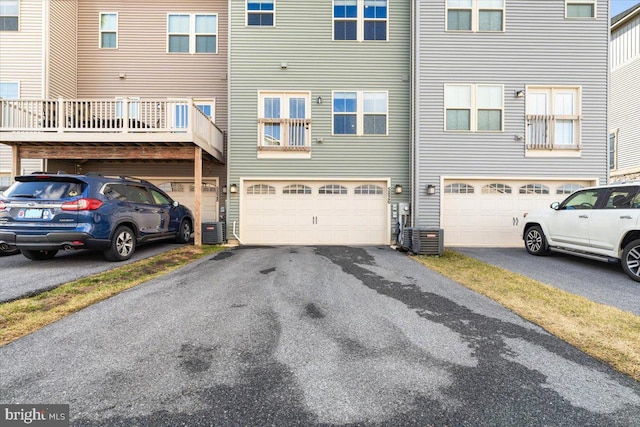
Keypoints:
pixel 11 251
pixel 631 260
pixel 39 255
pixel 123 244
pixel 184 232
pixel 535 242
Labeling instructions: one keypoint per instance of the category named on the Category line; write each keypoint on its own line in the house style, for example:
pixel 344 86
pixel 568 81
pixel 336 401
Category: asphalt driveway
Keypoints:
pixel 598 281
pixel 310 336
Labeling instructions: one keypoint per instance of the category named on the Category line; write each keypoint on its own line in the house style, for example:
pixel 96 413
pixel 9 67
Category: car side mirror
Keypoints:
pixel 555 206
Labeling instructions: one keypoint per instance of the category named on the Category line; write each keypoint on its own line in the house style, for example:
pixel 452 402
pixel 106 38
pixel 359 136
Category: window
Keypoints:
pixel 580 8
pixel 284 120
pixel 108 30
pixel 359 20
pixel 496 189
pixel 159 198
pixel 332 189
pixel 613 150
pixel 368 189
pixel 473 108
pixel 582 200
pixel 192 33
pixel 296 189
pixel 475 15
pixel 459 188
pixel 133 107
pixel 9 90
pixel 9 15
pixel 534 189
pixel 261 189
pixel 360 113
pixel 621 198
pixel 553 117
pixel 261 13
pixel 568 188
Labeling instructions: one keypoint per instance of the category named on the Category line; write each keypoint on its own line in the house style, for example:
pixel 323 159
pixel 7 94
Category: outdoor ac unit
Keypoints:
pixel 407 239
pixel 428 241
pixel 213 233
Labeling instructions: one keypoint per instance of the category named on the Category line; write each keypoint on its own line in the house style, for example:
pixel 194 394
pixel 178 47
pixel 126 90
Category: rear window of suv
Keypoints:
pixel 45 189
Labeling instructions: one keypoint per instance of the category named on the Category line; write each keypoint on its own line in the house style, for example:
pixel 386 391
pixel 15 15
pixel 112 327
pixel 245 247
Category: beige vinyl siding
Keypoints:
pixel 21 51
pixel 142 54
pixel 62 49
pixel 302 38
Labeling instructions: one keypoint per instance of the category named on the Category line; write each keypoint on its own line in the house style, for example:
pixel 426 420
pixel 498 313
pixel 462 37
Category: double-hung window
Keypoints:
pixel 475 15
pixel 192 33
pixel 613 150
pixel 108 30
pixel 9 15
pixel 473 107
pixel 360 113
pixel 553 117
pixel 360 20
pixel 580 8
pixel 260 13
pixel 284 120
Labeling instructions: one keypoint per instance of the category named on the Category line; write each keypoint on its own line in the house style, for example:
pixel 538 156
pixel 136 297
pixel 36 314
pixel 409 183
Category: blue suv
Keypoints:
pixel 43 213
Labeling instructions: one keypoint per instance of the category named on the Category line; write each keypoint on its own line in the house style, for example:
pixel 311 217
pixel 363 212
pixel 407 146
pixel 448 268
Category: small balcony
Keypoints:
pixel 284 135
pixel 549 132
pixel 120 123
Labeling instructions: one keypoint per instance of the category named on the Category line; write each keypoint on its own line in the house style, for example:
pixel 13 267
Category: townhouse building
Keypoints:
pixel 319 120
pixel 624 96
pixel 510 112
pixel 127 87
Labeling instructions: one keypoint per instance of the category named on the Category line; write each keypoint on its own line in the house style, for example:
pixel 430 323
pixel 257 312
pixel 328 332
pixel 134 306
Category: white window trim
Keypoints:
pixel 473 119
pixel 475 18
pixel 100 31
pixel 19 20
pixel 615 150
pixel 247 11
pixel 360 19
pixel 192 33
pixel 207 101
pixel 284 110
pixel 360 114
pixel 568 2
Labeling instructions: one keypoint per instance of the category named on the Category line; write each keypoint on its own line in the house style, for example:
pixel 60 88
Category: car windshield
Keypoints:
pixel 43 189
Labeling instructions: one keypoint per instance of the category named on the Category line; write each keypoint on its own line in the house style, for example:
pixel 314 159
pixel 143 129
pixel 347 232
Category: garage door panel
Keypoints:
pixel 495 218
pixel 316 218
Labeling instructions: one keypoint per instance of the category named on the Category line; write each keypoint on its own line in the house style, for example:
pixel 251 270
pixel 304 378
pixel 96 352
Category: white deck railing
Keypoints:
pixel 127 115
pixel 548 132
pixel 284 134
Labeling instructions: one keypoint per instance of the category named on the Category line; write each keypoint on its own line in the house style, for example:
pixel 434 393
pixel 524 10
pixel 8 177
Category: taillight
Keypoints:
pixel 2 206
pixel 82 205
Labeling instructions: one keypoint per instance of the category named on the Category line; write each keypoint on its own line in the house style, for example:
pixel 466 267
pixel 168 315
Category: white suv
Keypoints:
pixel 601 223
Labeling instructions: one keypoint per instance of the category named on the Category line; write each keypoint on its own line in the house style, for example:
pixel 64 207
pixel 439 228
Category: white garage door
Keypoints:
pixel 184 193
pixel 491 212
pixel 313 212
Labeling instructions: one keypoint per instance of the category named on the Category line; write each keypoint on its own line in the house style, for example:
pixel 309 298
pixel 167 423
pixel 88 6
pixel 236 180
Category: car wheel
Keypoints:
pixel 184 232
pixel 631 260
pixel 123 244
pixel 535 242
pixel 9 251
pixel 39 255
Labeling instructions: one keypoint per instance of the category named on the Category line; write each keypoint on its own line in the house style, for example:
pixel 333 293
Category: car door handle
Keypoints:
pixel 583 216
pixel 625 217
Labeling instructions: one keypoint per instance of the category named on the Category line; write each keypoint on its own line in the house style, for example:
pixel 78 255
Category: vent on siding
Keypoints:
pixel 428 241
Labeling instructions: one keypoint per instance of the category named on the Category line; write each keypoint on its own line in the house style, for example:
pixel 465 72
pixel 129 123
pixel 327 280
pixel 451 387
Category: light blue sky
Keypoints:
pixel 618 6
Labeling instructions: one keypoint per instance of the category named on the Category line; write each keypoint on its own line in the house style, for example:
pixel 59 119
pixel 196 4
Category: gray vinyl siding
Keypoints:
pixel 625 101
pixel 142 54
pixel 538 47
pixel 302 38
pixel 62 49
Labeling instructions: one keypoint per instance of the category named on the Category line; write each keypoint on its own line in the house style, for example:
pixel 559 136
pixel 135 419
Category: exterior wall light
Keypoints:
pixel 319 100
pixel 224 189
pixel 431 190
pixel 519 93
pixel 233 188
pixel 398 189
